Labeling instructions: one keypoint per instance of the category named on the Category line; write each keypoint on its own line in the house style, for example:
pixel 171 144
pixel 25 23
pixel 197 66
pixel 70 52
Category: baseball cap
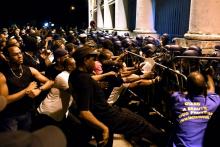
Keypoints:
pixel 60 52
pixel 84 51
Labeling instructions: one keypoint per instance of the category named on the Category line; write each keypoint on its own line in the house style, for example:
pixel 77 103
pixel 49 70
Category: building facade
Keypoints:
pixel 192 22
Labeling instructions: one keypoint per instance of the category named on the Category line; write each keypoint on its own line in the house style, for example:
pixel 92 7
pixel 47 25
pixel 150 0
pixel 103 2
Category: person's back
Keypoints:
pixel 193 110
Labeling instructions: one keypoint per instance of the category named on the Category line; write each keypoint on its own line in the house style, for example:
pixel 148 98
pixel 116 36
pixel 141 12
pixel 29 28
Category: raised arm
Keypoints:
pixel 210 84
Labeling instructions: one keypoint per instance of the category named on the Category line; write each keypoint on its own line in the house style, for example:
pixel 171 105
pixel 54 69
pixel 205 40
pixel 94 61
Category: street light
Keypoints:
pixel 72 8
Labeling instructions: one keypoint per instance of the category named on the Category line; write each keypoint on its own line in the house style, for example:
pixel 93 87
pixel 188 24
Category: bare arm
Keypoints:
pixel 117 58
pixel 16 96
pixel 144 82
pixel 92 120
pixel 210 84
pixel 102 76
pixel 131 78
pixel 134 77
pixel 41 78
pixel 46 83
pixel 127 71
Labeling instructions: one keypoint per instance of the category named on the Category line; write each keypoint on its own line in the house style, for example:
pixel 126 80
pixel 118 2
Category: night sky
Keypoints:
pixel 38 11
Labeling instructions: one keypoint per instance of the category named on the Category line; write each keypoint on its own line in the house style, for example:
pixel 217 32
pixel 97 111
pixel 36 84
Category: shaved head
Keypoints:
pixel 196 83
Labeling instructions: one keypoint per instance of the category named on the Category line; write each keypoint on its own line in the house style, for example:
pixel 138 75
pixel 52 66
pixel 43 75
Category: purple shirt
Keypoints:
pixel 191 117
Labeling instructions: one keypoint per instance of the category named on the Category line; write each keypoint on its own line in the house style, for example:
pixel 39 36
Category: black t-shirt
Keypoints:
pixel 15 85
pixel 88 94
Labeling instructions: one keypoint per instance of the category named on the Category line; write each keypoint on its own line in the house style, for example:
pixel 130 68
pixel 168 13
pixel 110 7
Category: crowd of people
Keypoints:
pixel 75 80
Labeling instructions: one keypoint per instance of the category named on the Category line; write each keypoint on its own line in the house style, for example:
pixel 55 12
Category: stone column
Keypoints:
pixel 204 23
pixel 107 16
pixel 145 18
pixel 121 15
pixel 99 15
pixel 90 11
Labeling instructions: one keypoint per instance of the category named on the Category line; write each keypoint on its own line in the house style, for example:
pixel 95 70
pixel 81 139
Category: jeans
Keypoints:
pixel 133 126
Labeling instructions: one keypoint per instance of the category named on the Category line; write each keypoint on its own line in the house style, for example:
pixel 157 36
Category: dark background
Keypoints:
pixel 171 16
pixel 37 12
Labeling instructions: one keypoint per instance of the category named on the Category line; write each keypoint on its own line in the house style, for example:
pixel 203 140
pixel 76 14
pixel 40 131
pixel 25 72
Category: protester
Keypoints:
pixel 193 109
pixel 94 110
pixel 18 83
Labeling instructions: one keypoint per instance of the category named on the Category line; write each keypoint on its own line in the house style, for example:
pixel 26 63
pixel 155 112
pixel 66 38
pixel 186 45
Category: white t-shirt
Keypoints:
pixel 58 99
